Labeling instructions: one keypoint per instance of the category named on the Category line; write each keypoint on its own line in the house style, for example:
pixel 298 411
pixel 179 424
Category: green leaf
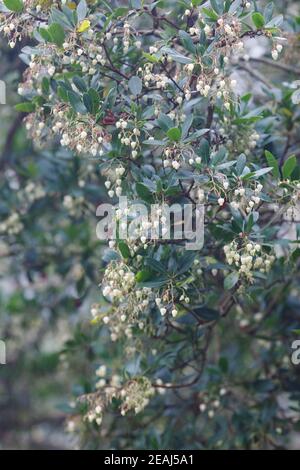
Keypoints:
pixel 250 223
pixel 275 22
pixel 136 4
pixel 180 58
pixel 95 98
pixel 57 34
pixel 186 262
pixel 25 107
pixel 231 280
pixel 45 34
pixel 223 364
pixel 217 6
pixel 174 134
pixel 88 103
pixel 124 249
pixel 154 142
pixel 268 11
pixel 219 156
pixel 210 13
pixel 14 5
pixel 81 10
pixel 256 174
pixel 91 100
pixel 143 275
pixel 272 162
pixel 155 265
pixel 187 125
pixel 204 150
pixel 258 20
pixel 159 282
pixel 62 94
pixel 164 122
pixel 135 85
pixel 289 166
pixel 187 41
pixel 76 102
pixel 150 57
pixel 80 84
pixel 196 135
pixel 45 85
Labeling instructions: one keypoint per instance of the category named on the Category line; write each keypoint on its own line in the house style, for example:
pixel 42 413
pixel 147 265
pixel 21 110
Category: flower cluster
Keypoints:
pixel 246 198
pixel 33 192
pixel 238 139
pixel 277 49
pixel 210 82
pixel 166 303
pixel 228 28
pixel 244 320
pixel 133 395
pixel 74 205
pixel 113 181
pixel 128 302
pixel 87 49
pixel 129 136
pixel 177 156
pixel 79 50
pixel 150 77
pixel 18 25
pixel 12 225
pixel 84 136
pixel 291 189
pixel 136 395
pixel 210 404
pixel 118 281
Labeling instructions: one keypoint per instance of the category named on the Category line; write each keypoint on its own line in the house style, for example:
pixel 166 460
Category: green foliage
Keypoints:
pixel 14 5
pixel 258 20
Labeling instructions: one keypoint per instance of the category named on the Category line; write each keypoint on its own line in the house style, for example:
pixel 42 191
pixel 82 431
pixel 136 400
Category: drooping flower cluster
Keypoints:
pixel 33 192
pixel 83 136
pixel 239 140
pixel 113 181
pixel 129 135
pixel 12 225
pixel 118 281
pixel 16 25
pixel 247 198
pixel 210 403
pixel 151 78
pixel 134 396
pixel 177 156
pixel 128 302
